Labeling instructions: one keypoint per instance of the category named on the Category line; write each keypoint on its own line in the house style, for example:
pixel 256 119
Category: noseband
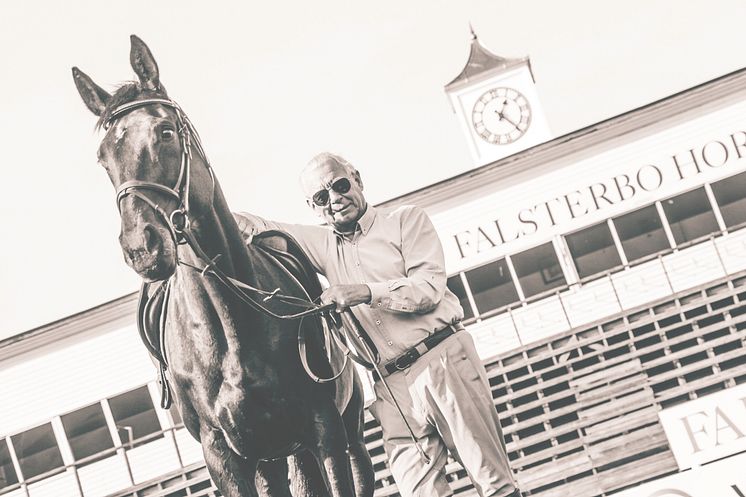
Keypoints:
pixel 178 219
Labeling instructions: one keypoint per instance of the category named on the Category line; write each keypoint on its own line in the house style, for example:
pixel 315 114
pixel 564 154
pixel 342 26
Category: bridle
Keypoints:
pixel 178 219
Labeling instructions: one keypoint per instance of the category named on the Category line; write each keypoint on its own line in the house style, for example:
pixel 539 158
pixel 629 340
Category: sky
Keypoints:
pixel 270 84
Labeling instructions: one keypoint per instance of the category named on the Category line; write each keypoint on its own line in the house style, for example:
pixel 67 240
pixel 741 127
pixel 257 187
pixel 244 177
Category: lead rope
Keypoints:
pixel 359 334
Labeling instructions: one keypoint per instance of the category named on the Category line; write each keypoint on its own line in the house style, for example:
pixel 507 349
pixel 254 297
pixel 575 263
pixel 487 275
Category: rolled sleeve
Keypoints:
pixel 379 294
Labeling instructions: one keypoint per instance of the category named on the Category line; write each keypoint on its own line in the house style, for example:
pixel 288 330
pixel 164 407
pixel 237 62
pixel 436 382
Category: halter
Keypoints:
pixel 178 219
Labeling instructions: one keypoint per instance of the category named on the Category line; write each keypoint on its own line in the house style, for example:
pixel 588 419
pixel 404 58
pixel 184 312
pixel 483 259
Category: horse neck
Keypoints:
pixel 217 234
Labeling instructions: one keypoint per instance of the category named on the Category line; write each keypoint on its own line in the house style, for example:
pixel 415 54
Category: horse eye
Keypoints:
pixel 167 133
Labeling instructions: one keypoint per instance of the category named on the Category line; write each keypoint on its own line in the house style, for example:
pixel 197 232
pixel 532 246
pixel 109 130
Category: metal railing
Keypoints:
pixel 100 456
pixel 561 293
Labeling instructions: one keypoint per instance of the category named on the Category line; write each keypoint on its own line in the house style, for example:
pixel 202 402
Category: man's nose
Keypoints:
pixel 334 196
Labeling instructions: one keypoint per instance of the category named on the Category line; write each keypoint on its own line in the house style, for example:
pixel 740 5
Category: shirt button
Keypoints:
pixel 378 321
pixel 390 342
pixel 357 263
pixel 379 304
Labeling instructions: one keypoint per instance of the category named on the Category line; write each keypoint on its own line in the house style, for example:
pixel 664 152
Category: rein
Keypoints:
pixel 178 222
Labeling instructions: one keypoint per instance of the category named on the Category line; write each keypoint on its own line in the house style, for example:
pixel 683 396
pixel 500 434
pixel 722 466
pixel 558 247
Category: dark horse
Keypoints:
pixel 235 370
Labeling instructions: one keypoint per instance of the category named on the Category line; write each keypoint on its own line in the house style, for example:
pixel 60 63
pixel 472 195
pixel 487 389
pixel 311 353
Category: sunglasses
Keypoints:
pixel 321 197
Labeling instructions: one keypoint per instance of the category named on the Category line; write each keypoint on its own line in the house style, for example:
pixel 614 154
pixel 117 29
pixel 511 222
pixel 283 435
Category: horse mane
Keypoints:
pixel 127 92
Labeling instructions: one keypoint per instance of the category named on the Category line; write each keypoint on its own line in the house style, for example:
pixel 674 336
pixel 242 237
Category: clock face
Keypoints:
pixel 501 115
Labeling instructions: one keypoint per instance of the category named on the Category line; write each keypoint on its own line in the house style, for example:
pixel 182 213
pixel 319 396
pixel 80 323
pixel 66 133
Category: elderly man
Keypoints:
pixel 387 265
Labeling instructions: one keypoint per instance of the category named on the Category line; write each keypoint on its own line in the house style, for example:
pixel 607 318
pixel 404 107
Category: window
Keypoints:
pixel 593 250
pixel 690 215
pixel 641 233
pixel 730 195
pixel 538 270
pixel 37 451
pixel 457 287
pixel 134 415
pixel 87 431
pixel 491 286
pixel 8 475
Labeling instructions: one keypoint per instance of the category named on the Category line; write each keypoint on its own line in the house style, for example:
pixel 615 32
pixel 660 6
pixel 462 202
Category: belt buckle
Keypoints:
pixel 405 360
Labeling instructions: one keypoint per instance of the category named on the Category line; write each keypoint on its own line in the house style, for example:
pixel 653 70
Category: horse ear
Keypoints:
pixel 144 64
pixel 94 97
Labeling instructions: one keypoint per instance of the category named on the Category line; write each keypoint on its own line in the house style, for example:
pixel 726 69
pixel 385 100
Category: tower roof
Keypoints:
pixel 482 61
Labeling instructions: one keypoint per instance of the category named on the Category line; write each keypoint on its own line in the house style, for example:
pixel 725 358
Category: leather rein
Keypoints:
pixel 178 222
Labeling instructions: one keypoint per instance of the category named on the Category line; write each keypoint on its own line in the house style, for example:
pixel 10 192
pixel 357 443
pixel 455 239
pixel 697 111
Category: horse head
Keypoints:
pixel 147 152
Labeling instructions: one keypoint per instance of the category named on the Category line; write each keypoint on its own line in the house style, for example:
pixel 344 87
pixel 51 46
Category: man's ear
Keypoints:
pixel 358 179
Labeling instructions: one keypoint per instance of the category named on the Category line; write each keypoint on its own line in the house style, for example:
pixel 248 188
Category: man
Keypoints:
pixel 387 265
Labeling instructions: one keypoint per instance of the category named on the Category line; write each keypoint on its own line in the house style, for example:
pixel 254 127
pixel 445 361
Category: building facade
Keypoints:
pixel 602 273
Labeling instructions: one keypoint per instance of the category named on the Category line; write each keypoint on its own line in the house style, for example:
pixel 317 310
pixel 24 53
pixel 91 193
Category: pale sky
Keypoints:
pixel 270 84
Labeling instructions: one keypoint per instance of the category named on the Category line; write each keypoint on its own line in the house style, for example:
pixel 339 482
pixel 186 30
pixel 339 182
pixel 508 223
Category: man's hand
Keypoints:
pixel 248 225
pixel 346 296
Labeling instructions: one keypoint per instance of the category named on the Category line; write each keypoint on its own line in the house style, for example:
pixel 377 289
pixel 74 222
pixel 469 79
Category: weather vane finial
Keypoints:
pixel 473 34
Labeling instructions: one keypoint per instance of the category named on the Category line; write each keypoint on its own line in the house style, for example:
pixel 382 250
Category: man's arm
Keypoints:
pixel 346 296
pixel 424 285
pixel 312 239
pixel 250 224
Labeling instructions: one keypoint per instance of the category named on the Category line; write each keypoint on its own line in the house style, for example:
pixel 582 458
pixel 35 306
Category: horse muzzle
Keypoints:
pixel 150 251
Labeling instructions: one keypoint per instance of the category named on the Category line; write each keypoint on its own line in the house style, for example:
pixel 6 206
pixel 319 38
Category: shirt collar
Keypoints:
pixel 363 224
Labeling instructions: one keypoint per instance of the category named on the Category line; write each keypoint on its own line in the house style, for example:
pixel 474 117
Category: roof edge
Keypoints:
pixel 614 126
pixel 74 324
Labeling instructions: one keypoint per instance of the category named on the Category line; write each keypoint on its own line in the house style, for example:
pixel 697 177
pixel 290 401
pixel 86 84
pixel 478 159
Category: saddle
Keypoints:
pixel 153 298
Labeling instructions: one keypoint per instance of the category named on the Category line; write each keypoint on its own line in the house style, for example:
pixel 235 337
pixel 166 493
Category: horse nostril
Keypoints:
pixel 152 239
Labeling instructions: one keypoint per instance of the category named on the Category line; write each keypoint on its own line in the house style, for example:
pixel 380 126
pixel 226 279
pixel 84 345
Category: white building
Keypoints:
pixel 602 272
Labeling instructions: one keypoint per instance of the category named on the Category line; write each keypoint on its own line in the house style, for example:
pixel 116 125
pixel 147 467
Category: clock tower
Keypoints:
pixel 497 105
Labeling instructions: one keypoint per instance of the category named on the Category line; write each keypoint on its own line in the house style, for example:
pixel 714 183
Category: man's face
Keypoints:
pixel 342 210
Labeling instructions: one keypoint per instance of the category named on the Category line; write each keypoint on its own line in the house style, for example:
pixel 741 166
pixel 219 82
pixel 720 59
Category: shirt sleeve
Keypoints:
pixel 424 285
pixel 314 240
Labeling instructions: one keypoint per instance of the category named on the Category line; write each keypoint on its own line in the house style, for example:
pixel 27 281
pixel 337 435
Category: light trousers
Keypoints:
pixel 446 398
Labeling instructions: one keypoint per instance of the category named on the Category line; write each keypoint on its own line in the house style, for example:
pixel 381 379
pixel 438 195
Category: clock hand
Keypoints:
pixel 502 116
pixel 499 111
pixel 505 102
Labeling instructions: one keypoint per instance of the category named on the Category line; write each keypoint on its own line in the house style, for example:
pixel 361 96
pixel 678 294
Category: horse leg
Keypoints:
pixel 305 476
pixel 233 475
pixel 328 442
pixel 353 417
pixel 272 478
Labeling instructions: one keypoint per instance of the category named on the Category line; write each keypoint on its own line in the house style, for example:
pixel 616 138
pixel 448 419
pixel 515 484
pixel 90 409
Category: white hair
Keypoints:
pixel 325 157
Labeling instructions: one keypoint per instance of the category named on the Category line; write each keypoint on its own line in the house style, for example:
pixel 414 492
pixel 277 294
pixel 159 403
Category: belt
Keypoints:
pixel 410 356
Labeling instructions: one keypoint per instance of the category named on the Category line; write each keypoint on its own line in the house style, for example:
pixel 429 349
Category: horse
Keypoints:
pixel 235 369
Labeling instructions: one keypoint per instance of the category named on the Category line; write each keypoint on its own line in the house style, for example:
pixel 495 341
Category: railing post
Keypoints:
pixel 616 294
pixel 515 326
pixel 720 257
pixel 127 464
pixel 665 273
pixel 77 481
pixel 564 310
pixel 176 446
